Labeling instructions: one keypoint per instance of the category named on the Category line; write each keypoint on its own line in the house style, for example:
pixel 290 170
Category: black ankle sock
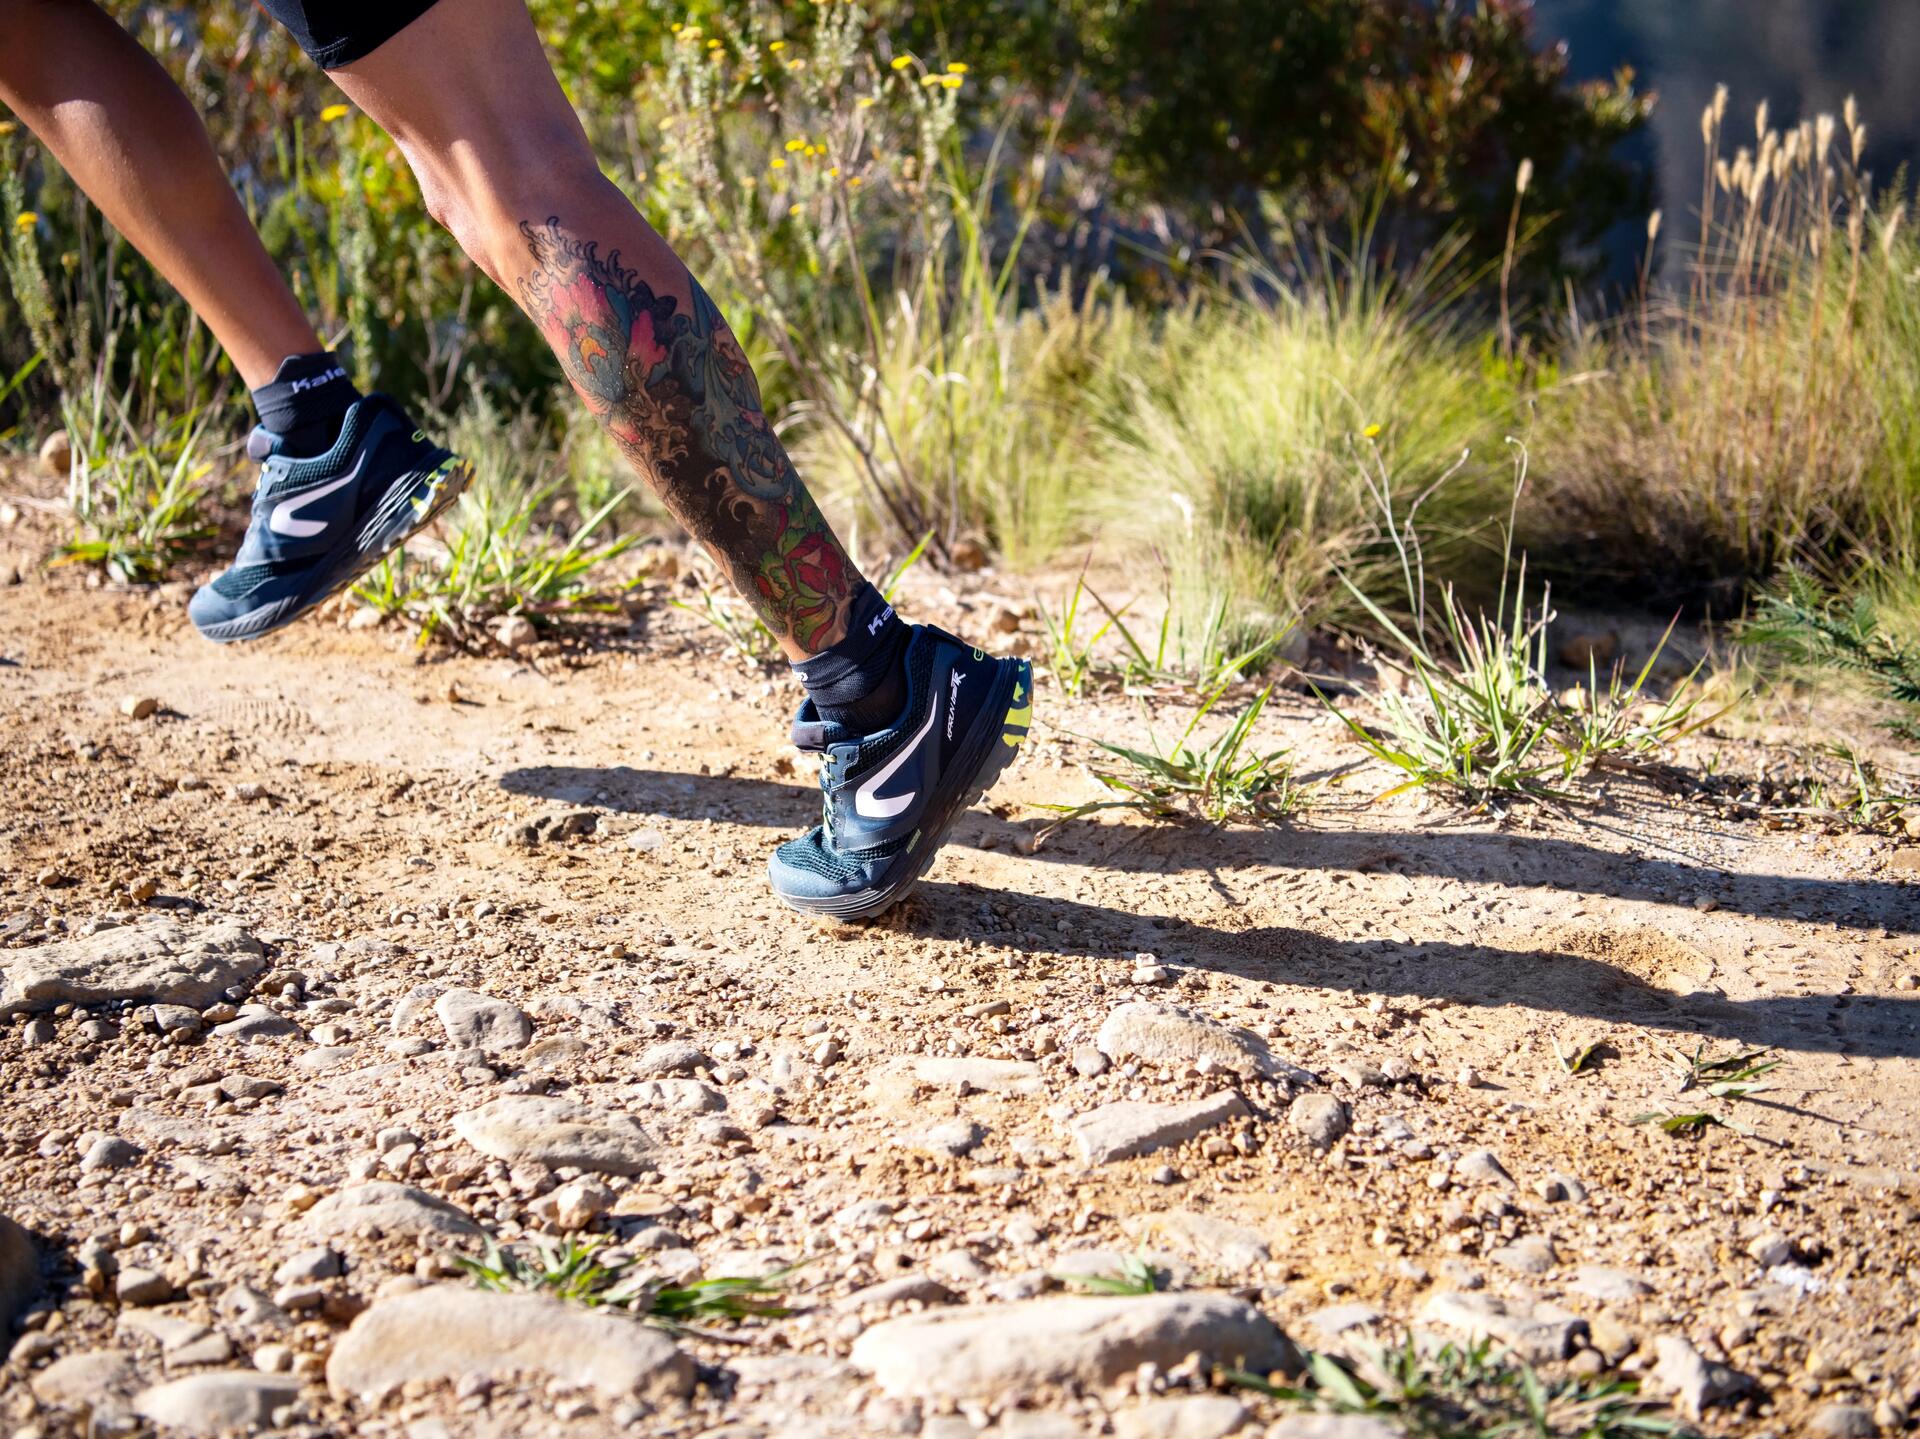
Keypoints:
pixel 861 682
pixel 305 402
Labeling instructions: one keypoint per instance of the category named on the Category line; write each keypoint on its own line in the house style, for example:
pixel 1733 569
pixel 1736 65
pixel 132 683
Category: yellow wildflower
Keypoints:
pixel 777 46
pixel 834 173
pixel 25 220
pixel 929 79
pixel 957 67
pixel 776 163
pixel 900 62
pixel 793 145
pixel 1372 432
pixel 865 102
pixel 854 181
pixel 336 112
pixel 7 127
pixel 793 209
pixel 950 82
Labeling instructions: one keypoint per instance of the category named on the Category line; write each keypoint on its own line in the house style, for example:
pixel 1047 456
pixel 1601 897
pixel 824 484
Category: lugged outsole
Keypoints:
pixel 1001 746
pixel 267 619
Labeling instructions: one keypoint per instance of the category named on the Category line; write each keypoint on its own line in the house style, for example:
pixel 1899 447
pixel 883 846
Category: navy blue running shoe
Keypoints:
pixel 892 796
pixel 322 522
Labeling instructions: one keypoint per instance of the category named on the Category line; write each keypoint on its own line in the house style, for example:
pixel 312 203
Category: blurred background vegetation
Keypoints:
pixel 1208 293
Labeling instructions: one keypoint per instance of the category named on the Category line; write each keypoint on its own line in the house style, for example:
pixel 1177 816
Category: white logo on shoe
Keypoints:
pixel 867 802
pixel 282 521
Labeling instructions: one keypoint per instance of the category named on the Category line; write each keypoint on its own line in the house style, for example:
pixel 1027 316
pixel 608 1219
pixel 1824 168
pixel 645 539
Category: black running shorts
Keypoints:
pixel 338 32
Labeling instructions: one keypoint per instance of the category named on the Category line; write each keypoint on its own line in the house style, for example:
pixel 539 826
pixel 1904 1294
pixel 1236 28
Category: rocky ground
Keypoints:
pixel 323 965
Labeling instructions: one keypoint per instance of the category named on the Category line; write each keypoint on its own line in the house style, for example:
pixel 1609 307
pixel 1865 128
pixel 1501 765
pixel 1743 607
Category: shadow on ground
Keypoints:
pixel 1518 861
pixel 1468 974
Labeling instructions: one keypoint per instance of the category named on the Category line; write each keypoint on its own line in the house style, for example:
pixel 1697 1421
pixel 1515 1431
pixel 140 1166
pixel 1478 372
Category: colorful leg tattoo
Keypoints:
pixel 680 400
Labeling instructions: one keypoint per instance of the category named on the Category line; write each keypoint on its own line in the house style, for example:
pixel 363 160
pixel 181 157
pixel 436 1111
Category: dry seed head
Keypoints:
pixel 1760 119
pixel 1782 165
pixel 1706 126
pixel 1653 227
pixel 1856 230
pixel 1523 178
pixel 1723 172
pixel 1892 229
pixel 1851 113
pixel 1859 142
pixel 1719 103
pixel 1822 136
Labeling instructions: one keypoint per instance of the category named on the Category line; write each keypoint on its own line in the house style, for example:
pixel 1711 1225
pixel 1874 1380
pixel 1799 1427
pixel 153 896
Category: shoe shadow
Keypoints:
pixel 1495 860
pixel 1874 1027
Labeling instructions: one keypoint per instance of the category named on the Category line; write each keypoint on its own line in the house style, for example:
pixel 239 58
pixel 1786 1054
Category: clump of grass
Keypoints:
pixel 1804 624
pixel 1137 1275
pixel 501 553
pixel 1477 717
pixel 1224 780
pixel 1455 1392
pixel 729 616
pixel 572 1270
pixel 138 500
pixel 1728 1076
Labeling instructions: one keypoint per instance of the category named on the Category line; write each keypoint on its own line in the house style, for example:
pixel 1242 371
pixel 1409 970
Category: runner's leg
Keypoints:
pixel 504 164
pixel 132 142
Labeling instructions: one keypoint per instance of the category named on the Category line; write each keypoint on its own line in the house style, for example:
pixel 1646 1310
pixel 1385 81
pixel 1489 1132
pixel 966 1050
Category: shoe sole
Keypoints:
pixel 992 749
pixel 428 495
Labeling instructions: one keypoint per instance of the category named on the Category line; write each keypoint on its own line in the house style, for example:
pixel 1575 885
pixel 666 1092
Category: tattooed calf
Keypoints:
pixel 676 393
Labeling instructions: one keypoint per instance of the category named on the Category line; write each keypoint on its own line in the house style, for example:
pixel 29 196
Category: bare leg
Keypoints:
pixel 469 96
pixel 132 141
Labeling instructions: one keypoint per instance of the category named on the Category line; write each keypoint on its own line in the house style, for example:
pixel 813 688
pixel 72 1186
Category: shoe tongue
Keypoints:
pixel 263 444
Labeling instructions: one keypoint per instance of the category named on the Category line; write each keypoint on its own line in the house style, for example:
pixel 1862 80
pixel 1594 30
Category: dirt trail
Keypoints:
pixel 366 817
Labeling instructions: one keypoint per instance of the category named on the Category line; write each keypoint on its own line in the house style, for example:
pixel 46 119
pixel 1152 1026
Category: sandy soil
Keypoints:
pixel 359 809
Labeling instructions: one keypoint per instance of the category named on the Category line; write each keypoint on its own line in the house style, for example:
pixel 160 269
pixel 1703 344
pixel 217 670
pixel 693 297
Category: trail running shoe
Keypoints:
pixel 322 522
pixel 892 796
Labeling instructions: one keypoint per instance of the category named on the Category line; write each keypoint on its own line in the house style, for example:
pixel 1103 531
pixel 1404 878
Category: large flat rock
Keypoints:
pixel 394 1209
pixel 1538 1334
pixel 226 1402
pixel 988 1350
pixel 1128 1128
pixel 529 1128
pixel 155 958
pixel 449 1331
pixel 1167 1034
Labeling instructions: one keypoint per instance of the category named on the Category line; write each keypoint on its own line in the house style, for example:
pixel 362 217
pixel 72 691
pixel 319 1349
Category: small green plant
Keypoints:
pixel 1476 715
pixel 1804 624
pixel 1137 1276
pixel 744 632
pixel 1583 1060
pixel 1729 1076
pixel 572 1270
pixel 1690 1125
pixel 498 560
pixel 1070 651
pixel 1223 781
pixel 1476 1392
pixel 1207 665
pixel 138 500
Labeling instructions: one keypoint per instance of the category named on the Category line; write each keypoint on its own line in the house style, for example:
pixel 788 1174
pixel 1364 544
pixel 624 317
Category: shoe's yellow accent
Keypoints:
pixel 1019 716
